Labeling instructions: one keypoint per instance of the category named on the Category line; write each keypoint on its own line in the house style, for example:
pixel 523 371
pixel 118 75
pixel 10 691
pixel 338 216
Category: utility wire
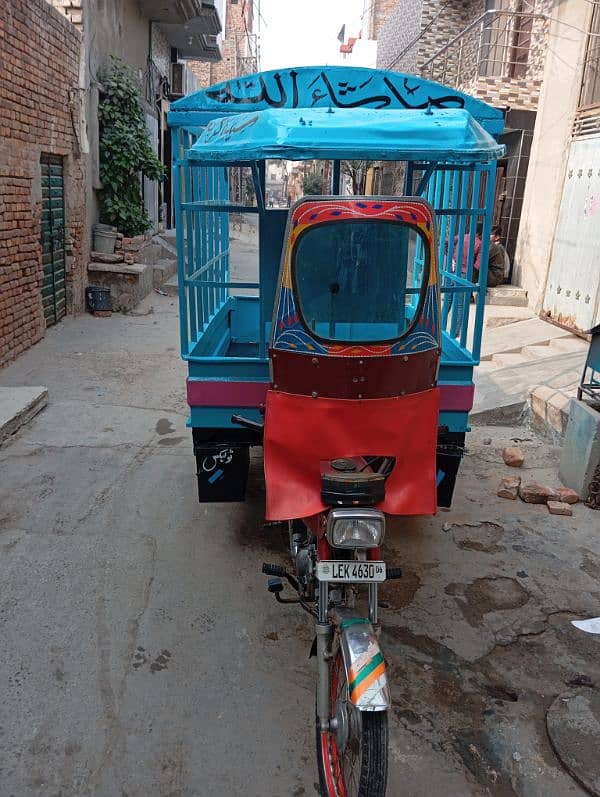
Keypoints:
pixel 260 14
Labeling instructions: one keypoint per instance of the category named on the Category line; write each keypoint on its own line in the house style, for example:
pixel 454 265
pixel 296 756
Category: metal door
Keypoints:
pixel 53 238
pixel 572 295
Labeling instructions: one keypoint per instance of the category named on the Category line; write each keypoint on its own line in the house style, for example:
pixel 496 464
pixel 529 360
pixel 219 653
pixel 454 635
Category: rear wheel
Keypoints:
pixel 353 758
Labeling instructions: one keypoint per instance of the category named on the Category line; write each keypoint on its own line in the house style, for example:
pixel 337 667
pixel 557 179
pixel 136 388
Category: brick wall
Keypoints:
pixel 237 47
pixel 377 13
pixel 72 9
pixel 441 22
pixel 432 22
pixel 396 32
pixel 39 64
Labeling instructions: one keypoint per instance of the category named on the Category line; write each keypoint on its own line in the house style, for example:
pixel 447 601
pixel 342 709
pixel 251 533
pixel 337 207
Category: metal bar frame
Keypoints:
pixel 203 208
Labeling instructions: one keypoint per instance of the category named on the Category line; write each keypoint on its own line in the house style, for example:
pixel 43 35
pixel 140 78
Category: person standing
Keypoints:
pixel 497 259
pixel 460 300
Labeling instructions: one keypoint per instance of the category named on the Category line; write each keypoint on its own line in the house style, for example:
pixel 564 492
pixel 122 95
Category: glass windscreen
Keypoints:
pixel 360 281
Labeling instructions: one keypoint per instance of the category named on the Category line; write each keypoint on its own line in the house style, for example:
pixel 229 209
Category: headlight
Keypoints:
pixel 355 528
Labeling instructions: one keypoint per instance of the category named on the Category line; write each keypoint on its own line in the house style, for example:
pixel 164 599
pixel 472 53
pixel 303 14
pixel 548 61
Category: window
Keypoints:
pixel 521 43
pixel 590 86
pixel 506 39
pixel 360 281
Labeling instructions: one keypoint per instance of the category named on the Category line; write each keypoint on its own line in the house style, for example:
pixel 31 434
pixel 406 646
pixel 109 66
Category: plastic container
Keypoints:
pixel 98 299
pixel 104 238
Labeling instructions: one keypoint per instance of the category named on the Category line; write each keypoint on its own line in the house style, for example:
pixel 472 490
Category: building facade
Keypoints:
pixel 558 252
pixel 491 49
pixel 238 46
pixel 43 236
pixel 155 39
pixel 51 56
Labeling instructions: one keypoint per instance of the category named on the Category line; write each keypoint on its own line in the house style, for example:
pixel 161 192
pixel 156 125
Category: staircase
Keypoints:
pixel 527 362
pixel 152 262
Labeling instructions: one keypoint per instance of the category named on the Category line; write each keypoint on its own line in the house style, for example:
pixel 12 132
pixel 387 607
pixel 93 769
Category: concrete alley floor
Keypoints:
pixel 141 654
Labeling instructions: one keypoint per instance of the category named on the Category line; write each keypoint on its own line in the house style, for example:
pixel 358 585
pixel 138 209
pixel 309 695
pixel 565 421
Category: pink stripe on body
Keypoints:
pixel 457 398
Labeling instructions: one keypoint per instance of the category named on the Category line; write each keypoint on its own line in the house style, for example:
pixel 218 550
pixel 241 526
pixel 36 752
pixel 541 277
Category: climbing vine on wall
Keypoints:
pixel 125 150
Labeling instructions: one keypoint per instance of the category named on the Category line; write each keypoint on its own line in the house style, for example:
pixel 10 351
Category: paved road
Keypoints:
pixel 141 654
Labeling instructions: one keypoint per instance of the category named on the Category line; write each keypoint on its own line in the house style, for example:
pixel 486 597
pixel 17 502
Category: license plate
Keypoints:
pixel 328 570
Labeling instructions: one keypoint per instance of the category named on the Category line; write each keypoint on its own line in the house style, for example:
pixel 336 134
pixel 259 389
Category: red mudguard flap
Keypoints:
pixel 301 431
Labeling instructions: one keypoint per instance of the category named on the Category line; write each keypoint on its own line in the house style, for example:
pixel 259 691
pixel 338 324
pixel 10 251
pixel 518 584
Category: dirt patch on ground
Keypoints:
pixel 398 594
pixel 485 595
pixel 482 537
pixel 590 564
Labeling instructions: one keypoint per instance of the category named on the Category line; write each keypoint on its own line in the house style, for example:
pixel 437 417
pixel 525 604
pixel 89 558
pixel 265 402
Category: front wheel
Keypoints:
pixel 352 759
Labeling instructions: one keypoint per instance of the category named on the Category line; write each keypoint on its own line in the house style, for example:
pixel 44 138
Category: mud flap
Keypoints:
pixel 364 664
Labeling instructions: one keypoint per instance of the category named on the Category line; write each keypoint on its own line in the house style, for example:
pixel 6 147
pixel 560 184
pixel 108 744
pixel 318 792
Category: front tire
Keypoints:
pixel 352 762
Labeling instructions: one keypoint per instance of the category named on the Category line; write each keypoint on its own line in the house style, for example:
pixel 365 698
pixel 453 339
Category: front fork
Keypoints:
pixel 324 633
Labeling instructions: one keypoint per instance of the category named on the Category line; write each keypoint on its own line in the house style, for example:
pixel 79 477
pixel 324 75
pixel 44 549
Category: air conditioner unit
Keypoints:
pixel 177 80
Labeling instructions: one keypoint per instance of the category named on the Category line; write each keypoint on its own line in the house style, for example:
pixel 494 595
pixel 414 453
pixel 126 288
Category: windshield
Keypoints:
pixel 360 281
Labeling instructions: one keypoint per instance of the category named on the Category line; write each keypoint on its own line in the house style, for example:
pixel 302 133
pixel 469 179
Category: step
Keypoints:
pixel 550 407
pixel 569 344
pixel 513 337
pixel 18 405
pixel 537 352
pixel 508 295
pixel 167 243
pixel 485 366
pixel 500 320
pixel 128 283
pixel 508 311
pixel 508 360
pixel 501 393
pixel 497 315
pixel 171 286
pixel 162 271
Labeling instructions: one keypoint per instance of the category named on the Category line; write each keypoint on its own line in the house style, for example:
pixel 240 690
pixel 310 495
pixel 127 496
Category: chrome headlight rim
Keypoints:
pixel 355 513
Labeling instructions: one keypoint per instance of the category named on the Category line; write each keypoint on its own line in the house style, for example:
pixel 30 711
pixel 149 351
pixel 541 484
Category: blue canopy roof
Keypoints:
pixel 335 133
pixel 338 87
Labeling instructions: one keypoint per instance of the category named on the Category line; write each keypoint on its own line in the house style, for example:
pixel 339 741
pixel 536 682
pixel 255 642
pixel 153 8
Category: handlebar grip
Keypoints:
pixel 392 573
pixel 274 570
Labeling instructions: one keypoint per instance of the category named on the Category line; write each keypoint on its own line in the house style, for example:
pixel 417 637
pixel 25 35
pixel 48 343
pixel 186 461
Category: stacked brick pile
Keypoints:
pixel 39 58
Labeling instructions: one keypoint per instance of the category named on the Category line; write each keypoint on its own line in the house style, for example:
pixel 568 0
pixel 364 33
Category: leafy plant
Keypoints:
pixel 312 184
pixel 125 151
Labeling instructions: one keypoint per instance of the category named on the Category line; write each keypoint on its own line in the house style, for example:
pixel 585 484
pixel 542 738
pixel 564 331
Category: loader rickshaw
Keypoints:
pixel 349 358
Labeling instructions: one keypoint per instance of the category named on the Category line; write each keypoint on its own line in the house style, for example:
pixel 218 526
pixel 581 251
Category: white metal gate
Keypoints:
pixel 572 295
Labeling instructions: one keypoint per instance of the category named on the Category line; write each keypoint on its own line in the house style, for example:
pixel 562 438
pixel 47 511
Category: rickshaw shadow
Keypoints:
pixel 254 532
